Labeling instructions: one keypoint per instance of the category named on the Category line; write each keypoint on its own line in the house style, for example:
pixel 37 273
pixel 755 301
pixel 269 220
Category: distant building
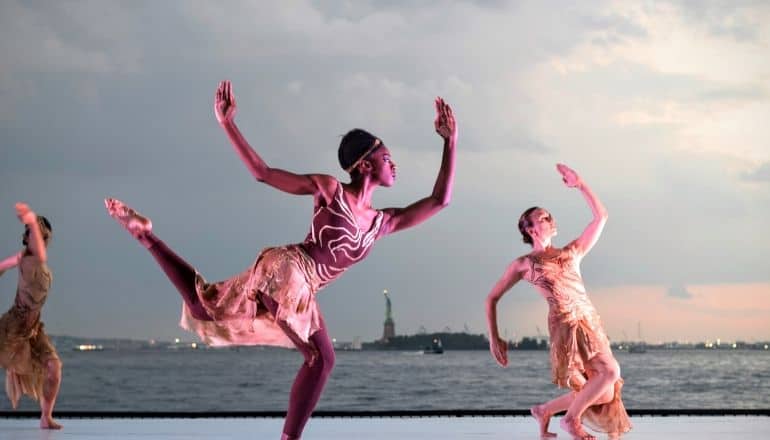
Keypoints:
pixel 389 327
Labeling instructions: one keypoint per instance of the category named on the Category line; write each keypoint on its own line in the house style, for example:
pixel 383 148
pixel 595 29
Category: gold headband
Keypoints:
pixel 374 146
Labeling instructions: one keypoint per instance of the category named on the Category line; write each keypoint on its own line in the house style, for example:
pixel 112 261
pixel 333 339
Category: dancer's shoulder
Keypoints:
pixel 327 186
pixel 573 249
pixel 520 265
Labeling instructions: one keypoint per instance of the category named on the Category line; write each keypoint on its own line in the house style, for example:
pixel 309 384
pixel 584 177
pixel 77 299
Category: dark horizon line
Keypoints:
pixel 725 343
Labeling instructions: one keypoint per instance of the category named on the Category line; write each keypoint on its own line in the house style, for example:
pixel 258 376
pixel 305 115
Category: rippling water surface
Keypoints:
pixel 259 379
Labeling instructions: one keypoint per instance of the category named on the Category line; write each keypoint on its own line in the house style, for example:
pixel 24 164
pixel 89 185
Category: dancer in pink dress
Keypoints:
pixel 31 364
pixel 273 301
pixel 581 358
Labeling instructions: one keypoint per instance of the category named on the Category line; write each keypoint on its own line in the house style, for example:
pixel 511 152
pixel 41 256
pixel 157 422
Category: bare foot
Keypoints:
pixel 136 224
pixel 575 429
pixel 48 423
pixel 543 418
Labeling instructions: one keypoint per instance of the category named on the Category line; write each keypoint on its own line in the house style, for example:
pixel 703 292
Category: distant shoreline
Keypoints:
pixel 450 341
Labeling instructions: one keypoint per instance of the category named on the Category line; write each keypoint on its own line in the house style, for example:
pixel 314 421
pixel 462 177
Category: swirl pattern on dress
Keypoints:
pixel 335 241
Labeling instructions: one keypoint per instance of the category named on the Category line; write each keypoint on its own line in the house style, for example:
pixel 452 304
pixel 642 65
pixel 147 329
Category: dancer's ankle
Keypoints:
pixel 147 239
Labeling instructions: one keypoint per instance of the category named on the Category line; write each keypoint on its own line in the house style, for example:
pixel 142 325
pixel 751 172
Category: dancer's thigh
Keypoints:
pixel 308 349
pixel 603 363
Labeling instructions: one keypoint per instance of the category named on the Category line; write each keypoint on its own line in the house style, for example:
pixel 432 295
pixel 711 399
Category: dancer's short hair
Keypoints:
pixel 524 223
pixel 355 146
pixel 45 230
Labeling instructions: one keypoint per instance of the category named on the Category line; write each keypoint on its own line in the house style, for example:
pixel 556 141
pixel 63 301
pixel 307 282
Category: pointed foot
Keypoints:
pixel 136 224
pixel 575 429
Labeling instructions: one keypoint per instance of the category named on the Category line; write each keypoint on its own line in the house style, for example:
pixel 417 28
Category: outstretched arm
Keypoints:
pixel 300 184
pixel 10 262
pixel 423 209
pixel 512 275
pixel 591 234
pixel 35 244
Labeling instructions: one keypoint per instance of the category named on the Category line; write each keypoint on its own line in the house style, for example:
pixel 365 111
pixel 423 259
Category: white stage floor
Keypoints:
pixel 645 428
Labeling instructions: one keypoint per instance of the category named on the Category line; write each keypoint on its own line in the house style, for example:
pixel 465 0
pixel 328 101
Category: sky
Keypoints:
pixel 661 107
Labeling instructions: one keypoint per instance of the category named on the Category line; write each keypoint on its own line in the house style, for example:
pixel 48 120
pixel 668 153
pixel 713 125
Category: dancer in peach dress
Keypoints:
pixel 31 364
pixel 581 358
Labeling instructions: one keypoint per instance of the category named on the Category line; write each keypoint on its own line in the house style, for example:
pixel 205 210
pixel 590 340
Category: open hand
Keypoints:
pixel 224 102
pixel 445 123
pixel 25 214
pixel 569 176
pixel 499 349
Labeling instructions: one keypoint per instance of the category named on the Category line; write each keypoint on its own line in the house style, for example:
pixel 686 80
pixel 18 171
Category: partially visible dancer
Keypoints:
pixel 31 364
pixel 273 302
pixel 581 358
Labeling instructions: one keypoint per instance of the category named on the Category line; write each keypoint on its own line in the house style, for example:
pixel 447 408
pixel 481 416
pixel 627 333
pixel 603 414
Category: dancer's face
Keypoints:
pixel 543 225
pixel 383 169
pixel 27 233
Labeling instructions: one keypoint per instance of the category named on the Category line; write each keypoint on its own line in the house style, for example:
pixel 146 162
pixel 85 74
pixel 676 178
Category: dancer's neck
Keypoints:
pixel 541 246
pixel 360 193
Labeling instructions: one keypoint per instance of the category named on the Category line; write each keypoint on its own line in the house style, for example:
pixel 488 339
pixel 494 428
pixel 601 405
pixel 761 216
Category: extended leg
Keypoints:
pixel 181 274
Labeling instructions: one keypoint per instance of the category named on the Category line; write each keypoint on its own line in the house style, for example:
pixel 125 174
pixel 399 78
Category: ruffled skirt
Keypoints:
pixel 24 351
pixel 287 275
pixel 574 341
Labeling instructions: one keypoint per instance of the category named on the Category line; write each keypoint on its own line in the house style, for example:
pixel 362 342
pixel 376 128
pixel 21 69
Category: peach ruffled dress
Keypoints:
pixel 576 333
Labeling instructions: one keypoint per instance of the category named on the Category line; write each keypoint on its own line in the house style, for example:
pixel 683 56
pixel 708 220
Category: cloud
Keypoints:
pixel 760 174
pixel 741 21
pixel 664 118
pixel 679 291
pixel 85 37
pixel 735 93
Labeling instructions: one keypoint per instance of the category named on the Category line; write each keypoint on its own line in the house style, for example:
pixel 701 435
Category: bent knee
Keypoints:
pixel 326 361
pixel 613 372
pixel 53 367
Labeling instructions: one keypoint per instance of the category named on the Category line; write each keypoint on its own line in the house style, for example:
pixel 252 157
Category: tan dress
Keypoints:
pixel 24 345
pixel 576 332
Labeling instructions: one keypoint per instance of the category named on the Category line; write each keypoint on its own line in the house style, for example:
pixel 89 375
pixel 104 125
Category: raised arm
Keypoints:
pixel 423 209
pixel 35 243
pixel 299 184
pixel 591 234
pixel 512 275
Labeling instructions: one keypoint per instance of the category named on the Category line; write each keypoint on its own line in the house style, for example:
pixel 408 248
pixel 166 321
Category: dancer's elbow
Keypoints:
pixel 442 202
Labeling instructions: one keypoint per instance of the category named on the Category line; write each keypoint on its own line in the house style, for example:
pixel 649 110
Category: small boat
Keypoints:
pixel 88 347
pixel 435 348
